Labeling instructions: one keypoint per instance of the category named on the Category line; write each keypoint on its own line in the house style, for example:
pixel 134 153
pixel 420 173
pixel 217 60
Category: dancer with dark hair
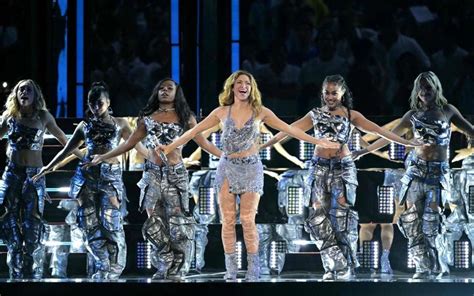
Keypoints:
pixel 164 186
pixel 99 190
pixel 25 121
pixel 425 185
pixel 333 223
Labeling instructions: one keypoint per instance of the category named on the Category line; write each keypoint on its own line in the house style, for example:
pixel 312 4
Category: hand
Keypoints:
pixel 325 143
pixel 41 174
pixel 163 148
pixel 97 158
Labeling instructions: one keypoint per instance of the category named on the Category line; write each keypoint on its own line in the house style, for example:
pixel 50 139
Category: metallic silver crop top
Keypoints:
pixel 22 137
pixel 235 140
pixel 101 135
pixel 431 131
pixel 161 133
pixel 335 128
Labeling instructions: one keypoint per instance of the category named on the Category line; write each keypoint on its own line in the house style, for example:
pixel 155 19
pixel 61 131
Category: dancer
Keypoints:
pixel 333 223
pixel 240 171
pixel 164 185
pixel 99 190
pixel 425 184
pixel 25 121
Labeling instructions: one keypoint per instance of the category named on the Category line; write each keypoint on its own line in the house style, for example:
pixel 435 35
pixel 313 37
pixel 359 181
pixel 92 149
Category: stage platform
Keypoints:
pixel 289 283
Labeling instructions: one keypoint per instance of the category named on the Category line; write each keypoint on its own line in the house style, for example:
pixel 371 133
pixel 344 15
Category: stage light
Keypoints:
pixel 295 200
pixel 265 154
pixel 306 150
pixel 396 151
pixel 143 255
pixel 370 255
pixel 239 252
pixel 471 199
pixel 207 196
pixel 276 247
pixel 462 254
pixel 216 140
pixel 354 142
pixel 4 84
pixel 385 200
pixel 410 261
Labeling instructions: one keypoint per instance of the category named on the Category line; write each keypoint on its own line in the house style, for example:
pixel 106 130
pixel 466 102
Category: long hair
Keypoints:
pixel 12 107
pixel 433 81
pixel 337 79
pixel 95 93
pixel 226 97
pixel 180 104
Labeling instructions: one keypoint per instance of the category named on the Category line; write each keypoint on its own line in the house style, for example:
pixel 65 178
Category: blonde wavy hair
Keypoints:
pixel 433 81
pixel 226 97
pixel 12 107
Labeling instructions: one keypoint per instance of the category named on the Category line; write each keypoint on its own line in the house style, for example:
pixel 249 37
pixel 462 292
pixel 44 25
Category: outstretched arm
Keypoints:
pixel 279 148
pixel 304 124
pixel 368 126
pixel 210 121
pixel 399 130
pixel 71 145
pixel 462 123
pixel 273 121
pixel 203 142
pixel 58 133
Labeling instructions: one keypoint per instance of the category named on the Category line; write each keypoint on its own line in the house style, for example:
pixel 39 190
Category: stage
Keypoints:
pixel 289 283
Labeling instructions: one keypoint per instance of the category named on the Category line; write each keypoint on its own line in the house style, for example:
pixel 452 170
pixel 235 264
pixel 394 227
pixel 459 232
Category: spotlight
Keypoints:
pixel 306 150
pixel 276 247
pixel 4 84
pixel 143 255
pixel 207 196
pixel 295 200
pixel 354 142
pixel 471 199
pixel 396 151
pixel 370 254
pixel 216 140
pixel 239 251
pixel 410 261
pixel 385 200
pixel 265 154
pixel 462 254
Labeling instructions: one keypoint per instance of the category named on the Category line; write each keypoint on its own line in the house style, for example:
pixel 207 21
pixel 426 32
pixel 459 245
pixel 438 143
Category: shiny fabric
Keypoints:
pixel 294 179
pixel 169 229
pixel 332 127
pixel 244 174
pixel 269 233
pixel 331 178
pixel 431 131
pixel 161 133
pixel 203 217
pixel 235 140
pixel 461 219
pixel 101 221
pixel 22 225
pixel 100 135
pixel 332 225
pixel 22 137
pixel 425 183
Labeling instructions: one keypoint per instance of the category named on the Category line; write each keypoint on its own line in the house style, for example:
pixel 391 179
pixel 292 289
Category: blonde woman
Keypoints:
pixel 240 171
pixel 425 184
pixel 25 121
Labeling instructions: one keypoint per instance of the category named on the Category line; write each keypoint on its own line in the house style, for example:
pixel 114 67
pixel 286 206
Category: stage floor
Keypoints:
pixel 288 283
